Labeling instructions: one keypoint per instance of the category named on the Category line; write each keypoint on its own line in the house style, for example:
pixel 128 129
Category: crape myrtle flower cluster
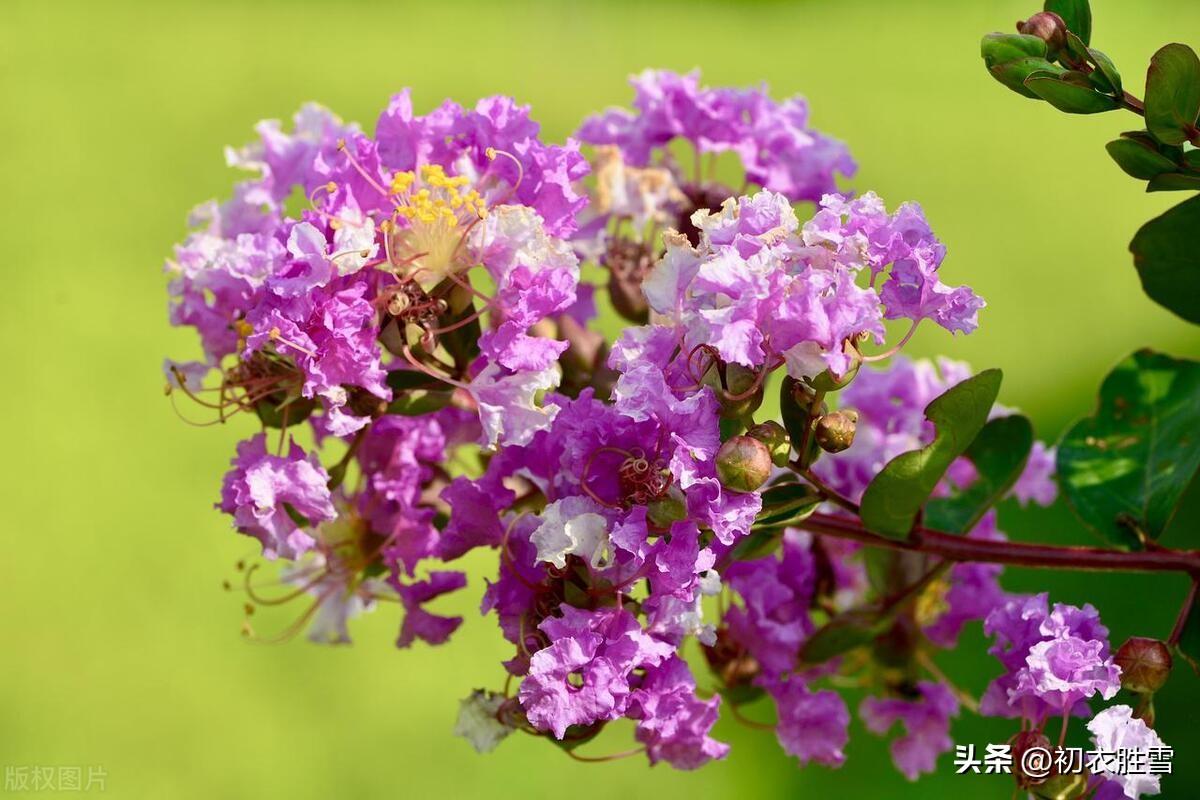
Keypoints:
pixel 403 317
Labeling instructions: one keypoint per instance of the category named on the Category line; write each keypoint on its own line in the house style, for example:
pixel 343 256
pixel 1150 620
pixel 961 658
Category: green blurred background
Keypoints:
pixel 118 647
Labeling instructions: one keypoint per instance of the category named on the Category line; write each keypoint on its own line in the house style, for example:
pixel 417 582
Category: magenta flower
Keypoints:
pixel 263 491
pixel 926 721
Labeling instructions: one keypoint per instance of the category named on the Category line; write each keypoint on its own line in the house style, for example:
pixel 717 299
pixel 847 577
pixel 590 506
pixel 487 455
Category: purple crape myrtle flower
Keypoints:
pixel 1115 729
pixel 420 623
pixel 761 291
pixel 583 676
pixel 1066 669
pixel 391 219
pixel 813 725
pixel 401 458
pixel 773 620
pixel 331 573
pixel 263 491
pixel 926 721
pixel 672 722
pixel 1054 659
pixel 778 149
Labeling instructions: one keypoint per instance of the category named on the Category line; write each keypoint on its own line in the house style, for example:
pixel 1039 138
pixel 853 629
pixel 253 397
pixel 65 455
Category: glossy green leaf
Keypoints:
pixel 843 633
pixel 787 504
pixel 795 409
pixel 1124 469
pixel 1166 252
pixel 1000 48
pixel 1106 68
pixel 1188 646
pixel 403 380
pixel 1174 182
pixel 896 495
pixel 416 402
pixel 1173 94
pixel 1013 74
pixel 1069 97
pixel 1138 159
pixel 1076 13
pixel 999 454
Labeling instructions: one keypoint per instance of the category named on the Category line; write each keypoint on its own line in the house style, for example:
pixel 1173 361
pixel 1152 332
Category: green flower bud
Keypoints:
pixel 835 431
pixel 828 382
pixel 1049 27
pixel 670 508
pixel 743 464
pixel 738 381
pixel 773 435
pixel 1145 664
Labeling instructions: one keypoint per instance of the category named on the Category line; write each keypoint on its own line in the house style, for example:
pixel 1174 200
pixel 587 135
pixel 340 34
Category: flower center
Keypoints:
pixel 642 482
pixel 434 212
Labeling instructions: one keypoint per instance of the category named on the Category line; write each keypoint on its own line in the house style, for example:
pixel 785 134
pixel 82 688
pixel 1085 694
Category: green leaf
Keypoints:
pixel 1106 68
pixel 1138 159
pixel 403 380
pixel 1173 94
pixel 1188 646
pixel 1174 182
pixel 787 504
pixel 1124 469
pixel 843 633
pixel 282 409
pixel 416 402
pixel 796 410
pixel 999 454
pixel 461 343
pixel 1001 48
pixel 1014 73
pixel 761 543
pixel 1076 13
pixel 1069 97
pixel 1166 252
pixel 895 496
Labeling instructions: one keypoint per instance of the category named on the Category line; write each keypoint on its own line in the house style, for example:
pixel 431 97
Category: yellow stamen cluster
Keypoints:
pixel 440 210
pixel 440 198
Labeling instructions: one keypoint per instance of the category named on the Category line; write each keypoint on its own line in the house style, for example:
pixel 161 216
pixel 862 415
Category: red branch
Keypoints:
pixel 954 547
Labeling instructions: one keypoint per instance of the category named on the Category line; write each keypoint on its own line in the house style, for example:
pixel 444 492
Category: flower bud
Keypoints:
pixel 628 261
pixel 829 381
pixel 1049 27
pixel 1068 786
pixel 773 435
pixel 1022 742
pixel 1145 664
pixel 835 431
pixel 734 393
pixel 667 509
pixel 743 464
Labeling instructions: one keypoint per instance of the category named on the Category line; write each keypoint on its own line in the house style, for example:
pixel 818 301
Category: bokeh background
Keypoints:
pixel 118 647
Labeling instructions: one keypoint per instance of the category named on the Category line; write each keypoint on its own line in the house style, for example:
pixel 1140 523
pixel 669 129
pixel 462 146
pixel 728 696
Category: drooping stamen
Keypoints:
pixel 491 153
pixel 277 336
pixel 358 168
pixel 899 345
pixel 408 354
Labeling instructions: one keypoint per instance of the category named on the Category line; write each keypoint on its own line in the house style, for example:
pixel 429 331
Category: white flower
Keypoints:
pixel 1116 729
pixel 507 408
pixel 568 529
